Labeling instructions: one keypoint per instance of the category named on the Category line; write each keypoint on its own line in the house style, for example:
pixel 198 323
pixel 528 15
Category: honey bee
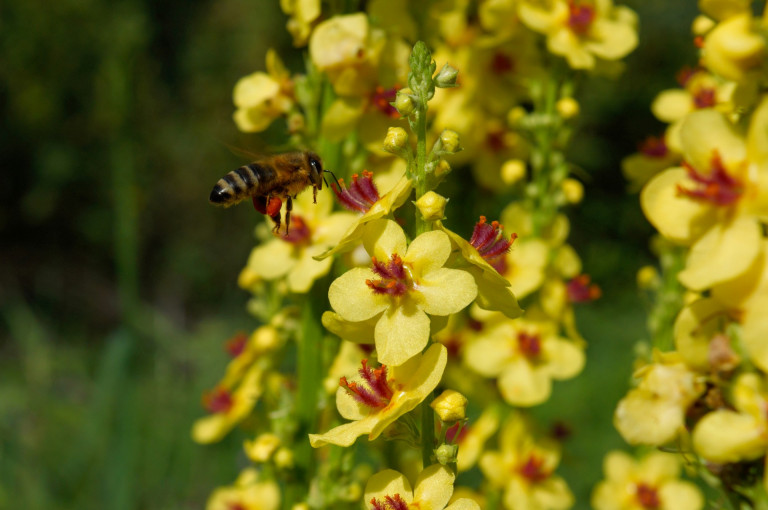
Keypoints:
pixel 270 180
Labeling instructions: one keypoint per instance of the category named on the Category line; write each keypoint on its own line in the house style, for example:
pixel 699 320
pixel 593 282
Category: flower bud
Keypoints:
pixel 450 406
pixel 265 339
pixel 447 453
pixel 573 191
pixel 262 448
pixel 432 206
pixel 396 140
pixel 648 278
pixel 567 107
pixel 404 102
pixel 284 458
pixel 512 171
pixel 449 140
pixel 446 77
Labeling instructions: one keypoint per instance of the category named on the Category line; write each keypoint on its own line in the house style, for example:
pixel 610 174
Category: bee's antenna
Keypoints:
pixel 334 178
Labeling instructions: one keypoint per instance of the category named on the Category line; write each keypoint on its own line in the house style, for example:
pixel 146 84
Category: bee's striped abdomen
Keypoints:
pixel 246 181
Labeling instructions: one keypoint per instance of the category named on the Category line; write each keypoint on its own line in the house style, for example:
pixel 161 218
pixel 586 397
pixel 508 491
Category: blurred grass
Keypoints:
pixel 117 282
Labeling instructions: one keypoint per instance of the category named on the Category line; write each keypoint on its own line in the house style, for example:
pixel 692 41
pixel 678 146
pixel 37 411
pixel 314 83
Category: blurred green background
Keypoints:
pixel 118 280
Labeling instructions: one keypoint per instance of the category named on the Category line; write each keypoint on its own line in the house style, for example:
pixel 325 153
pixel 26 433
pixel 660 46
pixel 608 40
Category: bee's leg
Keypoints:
pixel 314 194
pixel 288 209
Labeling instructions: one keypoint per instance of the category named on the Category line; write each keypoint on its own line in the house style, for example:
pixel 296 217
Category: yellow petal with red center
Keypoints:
pixel 564 359
pixel 307 269
pixel 671 105
pixel 754 331
pixel 272 260
pixel 434 487
pixel 723 253
pixel 387 483
pixel 428 252
pixel 402 332
pixel 705 132
pixel 359 332
pixel 352 299
pixel 445 291
pixel 681 496
pixel 675 216
pixel 383 238
pixel 727 436
pixel 523 384
pixel 610 39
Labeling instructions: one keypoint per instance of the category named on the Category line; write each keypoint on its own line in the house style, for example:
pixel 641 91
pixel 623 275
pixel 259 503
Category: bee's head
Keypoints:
pixel 315 169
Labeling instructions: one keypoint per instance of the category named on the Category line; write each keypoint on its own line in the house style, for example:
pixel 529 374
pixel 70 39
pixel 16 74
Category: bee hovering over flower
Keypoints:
pixel 269 181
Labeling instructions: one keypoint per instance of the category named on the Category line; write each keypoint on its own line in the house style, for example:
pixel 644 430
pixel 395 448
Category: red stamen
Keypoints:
pixel 381 100
pixel 718 188
pixel 654 147
pixel 489 242
pixel 581 17
pixel 685 74
pixel 236 506
pixel 647 496
pixel 236 344
pixel 218 400
pixel 299 233
pixel 374 391
pixel 495 141
pixel 533 470
pixel 704 97
pixel 361 195
pixel 394 279
pixel 529 345
pixel 581 291
pixel 502 63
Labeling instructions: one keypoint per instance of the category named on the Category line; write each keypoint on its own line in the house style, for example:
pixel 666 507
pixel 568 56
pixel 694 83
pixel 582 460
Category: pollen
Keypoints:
pixel 581 290
pixel 218 401
pixel 581 17
pixel 360 195
pixel 374 390
pixel 394 281
pixel 718 188
pixel 489 241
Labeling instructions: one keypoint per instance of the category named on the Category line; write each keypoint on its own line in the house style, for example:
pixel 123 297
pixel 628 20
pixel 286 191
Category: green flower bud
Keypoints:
pixel 446 454
pixel 450 141
pixel 396 140
pixel 404 102
pixel 446 78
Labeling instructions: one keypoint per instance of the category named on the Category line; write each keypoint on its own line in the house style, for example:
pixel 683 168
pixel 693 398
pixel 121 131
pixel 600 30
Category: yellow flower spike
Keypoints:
pixel 404 285
pixel 654 412
pixel 248 493
pixel 314 229
pixel 734 49
pixel 390 490
pixel 360 197
pixel 450 406
pixel 525 356
pixel 651 482
pixel 378 399
pixel 524 469
pixel 228 408
pixel 725 435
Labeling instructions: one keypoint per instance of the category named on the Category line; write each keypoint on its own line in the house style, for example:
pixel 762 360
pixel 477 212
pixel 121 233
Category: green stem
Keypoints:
pixel 543 207
pixel 421 160
pixel 427 432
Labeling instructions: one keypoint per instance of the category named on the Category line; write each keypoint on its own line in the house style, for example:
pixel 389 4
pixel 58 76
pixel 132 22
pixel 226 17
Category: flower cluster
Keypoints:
pixel 707 191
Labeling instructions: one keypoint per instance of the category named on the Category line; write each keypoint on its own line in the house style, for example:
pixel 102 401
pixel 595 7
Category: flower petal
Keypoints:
pixel 343 435
pixel 446 291
pixel 387 483
pixel 352 299
pixel 272 259
pixel 523 385
pixel 383 238
pixel 428 252
pixel 402 332
pixel 434 487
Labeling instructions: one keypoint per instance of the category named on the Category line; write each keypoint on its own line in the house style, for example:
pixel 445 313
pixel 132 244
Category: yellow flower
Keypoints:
pixel 245 349
pixel 262 448
pixel 314 229
pixel 716 201
pixel 582 30
pixel 247 493
pixel 525 356
pixel 473 436
pixel 376 398
pixel 654 412
pixel 735 48
pixel 363 196
pixel 726 435
pixel 404 285
pixel 302 13
pixel 524 468
pixel 390 490
pixel 651 482
pixel 654 156
pixel 261 97
pixel 228 408
pixel 700 336
pixel 486 253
